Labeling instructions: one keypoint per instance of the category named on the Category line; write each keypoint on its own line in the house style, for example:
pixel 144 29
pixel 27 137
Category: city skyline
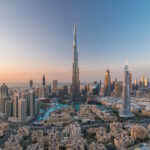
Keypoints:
pixel 74 75
pixel 36 39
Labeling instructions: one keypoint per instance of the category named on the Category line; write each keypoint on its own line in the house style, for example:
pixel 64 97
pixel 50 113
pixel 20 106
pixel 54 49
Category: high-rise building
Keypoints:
pixel 130 82
pixel 30 83
pixel 4 90
pixel 75 88
pixel 65 89
pixel 22 110
pixel 100 84
pixel 37 106
pixel 142 83
pixel 15 105
pixel 55 82
pixel 126 112
pixel 95 88
pixel 142 79
pixel 43 88
pixel 43 81
pixel 31 102
pixel 4 98
pixel 117 89
pixel 107 84
pixel 8 108
pixel 135 81
pixel 48 90
pixel 146 82
pixel 135 85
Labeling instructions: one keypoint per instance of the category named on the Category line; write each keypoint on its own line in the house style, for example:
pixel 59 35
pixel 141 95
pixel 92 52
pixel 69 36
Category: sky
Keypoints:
pixel 36 38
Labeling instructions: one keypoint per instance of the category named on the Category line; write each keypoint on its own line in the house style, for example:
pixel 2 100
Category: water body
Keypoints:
pixel 142 146
pixel 46 113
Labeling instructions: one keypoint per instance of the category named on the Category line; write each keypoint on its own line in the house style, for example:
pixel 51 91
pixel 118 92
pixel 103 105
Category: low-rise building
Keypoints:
pixel 138 132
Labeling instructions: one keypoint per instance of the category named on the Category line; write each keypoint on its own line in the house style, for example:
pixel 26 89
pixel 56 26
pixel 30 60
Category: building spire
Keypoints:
pixel 74 35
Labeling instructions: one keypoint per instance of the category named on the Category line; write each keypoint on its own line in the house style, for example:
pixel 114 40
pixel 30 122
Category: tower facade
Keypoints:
pixel 126 112
pixel 4 90
pixel 22 110
pixel 130 82
pixel 32 102
pixel 4 98
pixel 43 88
pixel 107 84
pixel 43 81
pixel 55 84
pixel 75 87
pixel 30 83
pixel 15 105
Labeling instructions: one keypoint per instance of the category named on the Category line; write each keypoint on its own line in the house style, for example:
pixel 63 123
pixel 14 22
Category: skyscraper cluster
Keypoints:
pixel 18 106
pixel 26 102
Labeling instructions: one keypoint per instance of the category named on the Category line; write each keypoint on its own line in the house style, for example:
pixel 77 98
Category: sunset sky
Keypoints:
pixel 36 38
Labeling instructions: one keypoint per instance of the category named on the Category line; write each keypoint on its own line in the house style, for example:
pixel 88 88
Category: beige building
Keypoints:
pixel 138 132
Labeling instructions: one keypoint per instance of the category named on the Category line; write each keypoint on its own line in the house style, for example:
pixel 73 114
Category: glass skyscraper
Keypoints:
pixel 126 112
pixel 75 88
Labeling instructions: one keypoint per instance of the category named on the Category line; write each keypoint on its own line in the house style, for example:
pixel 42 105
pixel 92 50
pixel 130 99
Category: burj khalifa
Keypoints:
pixel 75 88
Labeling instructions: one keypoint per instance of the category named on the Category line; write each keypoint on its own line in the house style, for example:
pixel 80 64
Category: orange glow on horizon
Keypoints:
pixel 15 77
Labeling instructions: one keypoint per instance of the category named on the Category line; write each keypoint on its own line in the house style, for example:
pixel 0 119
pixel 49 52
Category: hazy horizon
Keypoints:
pixel 65 77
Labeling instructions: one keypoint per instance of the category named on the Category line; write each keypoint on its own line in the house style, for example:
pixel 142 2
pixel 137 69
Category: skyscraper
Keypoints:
pixel 22 110
pixel 146 82
pixel 48 90
pixel 43 88
pixel 55 86
pixel 126 112
pixel 15 105
pixel 75 88
pixel 37 106
pixel 130 82
pixel 107 84
pixel 8 108
pixel 100 84
pixel 43 81
pixel 4 90
pixel 31 83
pixel 95 88
pixel 4 98
pixel 117 89
pixel 31 102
